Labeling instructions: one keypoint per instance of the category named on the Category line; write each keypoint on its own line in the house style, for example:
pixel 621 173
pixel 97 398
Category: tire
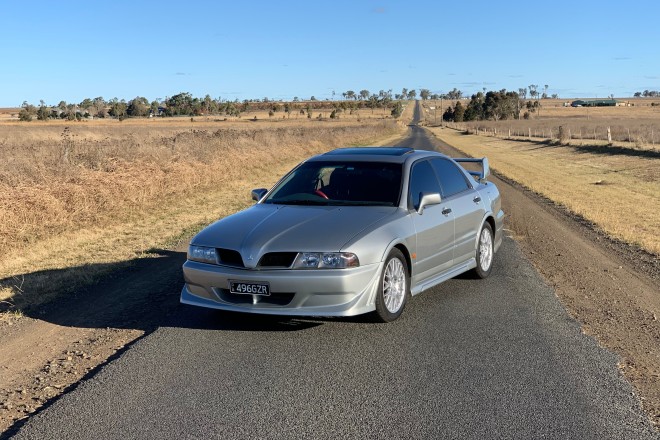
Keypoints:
pixel 485 252
pixel 393 288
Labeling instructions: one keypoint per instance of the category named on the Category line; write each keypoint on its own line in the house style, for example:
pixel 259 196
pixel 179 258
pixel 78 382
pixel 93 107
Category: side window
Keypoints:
pixel 422 179
pixel 451 178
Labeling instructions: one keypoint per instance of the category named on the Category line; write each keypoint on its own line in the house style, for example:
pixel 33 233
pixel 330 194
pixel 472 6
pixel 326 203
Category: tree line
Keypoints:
pixel 185 104
pixel 497 105
pixel 647 94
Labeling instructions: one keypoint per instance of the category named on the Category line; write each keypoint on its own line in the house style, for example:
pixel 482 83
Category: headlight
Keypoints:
pixel 202 254
pixel 325 260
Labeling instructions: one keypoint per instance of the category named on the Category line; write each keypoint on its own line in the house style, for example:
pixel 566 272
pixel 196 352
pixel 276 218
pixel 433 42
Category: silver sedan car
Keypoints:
pixel 351 231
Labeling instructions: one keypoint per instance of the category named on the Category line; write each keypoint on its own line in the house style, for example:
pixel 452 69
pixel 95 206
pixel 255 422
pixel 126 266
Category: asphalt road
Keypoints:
pixel 469 359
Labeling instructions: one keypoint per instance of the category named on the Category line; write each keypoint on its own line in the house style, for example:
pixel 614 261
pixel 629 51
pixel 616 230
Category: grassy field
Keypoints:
pixel 75 197
pixel 609 186
pixel 636 126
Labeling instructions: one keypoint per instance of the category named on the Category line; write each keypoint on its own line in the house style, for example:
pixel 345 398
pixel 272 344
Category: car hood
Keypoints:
pixel 285 228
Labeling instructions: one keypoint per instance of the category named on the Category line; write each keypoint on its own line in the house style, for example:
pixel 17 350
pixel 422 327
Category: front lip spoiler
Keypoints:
pixel 193 300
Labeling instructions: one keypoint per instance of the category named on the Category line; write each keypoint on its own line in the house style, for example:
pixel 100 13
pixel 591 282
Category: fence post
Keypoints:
pixel 629 135
pixel 530 132
pixel 609 135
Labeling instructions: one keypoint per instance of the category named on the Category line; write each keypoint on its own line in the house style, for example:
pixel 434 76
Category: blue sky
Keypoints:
pixel 280 49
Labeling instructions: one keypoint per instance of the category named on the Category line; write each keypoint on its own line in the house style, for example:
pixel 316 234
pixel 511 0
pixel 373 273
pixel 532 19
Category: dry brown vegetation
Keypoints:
pixel 636 126
pixel 616 189
pixel 75 196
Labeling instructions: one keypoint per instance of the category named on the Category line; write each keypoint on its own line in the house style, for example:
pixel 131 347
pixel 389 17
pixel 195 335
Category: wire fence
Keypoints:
pixel 645 136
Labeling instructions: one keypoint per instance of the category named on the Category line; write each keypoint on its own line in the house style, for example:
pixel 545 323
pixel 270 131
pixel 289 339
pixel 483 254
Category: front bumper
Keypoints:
pixel 324 292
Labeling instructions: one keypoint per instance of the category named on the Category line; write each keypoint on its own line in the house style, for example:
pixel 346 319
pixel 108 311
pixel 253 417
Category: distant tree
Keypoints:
pixel 404 93
pixel 459 112
pixel 475 110
pixel 43 113
pixel 555 96
pixel 412 94
pixel 99 107
pixel 364 94
pixel 86 104
pixel 448 115
pixel 138 107
pixel 424 94
pixel 350 94
pixel 27 112
pixel 71 113
pixel 117 108
pixel 533 91
pixel 397 109
pixel 208 105
pixel 296 99
pixel 454 94
pixel 313 98
pixel 373 102
pixel 637 94
pixel 153 107
pixel 179 104
pixel 545 92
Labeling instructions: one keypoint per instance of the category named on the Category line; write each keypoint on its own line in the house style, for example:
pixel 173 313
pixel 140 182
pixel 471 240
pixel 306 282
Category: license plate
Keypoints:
pixel 249 288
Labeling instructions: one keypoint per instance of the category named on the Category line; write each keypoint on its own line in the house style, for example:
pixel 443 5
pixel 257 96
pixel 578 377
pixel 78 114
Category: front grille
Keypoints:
pixel 278 259
pixel 230 257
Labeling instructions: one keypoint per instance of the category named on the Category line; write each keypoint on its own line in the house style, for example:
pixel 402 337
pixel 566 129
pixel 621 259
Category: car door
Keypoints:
pixel 434 227
pixel 466 204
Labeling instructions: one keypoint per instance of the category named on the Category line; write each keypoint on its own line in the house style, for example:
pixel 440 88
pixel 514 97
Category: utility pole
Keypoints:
pixel 442 120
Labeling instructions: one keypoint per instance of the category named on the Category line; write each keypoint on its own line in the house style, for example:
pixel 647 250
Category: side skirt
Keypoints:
pixel 427 284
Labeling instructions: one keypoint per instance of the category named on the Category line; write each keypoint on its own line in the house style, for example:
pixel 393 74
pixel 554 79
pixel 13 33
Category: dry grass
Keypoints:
pixel 76 201
pixel 620 193
pixel 636 127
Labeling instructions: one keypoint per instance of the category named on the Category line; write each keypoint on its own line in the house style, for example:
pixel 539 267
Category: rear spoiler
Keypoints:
pixel 479 175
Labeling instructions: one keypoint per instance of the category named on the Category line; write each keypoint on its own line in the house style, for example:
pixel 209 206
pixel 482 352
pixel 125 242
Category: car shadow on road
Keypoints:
pixel 141 294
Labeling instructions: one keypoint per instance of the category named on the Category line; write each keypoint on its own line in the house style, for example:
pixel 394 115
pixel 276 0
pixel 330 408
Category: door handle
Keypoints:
pixel 476 199
pixel 446 211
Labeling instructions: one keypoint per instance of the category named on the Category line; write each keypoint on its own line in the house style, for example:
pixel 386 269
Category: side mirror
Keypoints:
pixel 427 199
pixel 257 194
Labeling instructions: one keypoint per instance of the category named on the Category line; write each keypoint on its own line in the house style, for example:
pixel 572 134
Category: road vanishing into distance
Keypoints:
pixel 469 359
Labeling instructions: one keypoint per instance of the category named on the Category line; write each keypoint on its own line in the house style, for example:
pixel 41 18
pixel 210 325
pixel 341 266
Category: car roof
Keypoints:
pixel 369 154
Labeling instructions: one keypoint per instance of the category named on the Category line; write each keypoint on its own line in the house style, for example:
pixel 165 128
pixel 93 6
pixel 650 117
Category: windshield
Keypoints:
pixel 340 183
